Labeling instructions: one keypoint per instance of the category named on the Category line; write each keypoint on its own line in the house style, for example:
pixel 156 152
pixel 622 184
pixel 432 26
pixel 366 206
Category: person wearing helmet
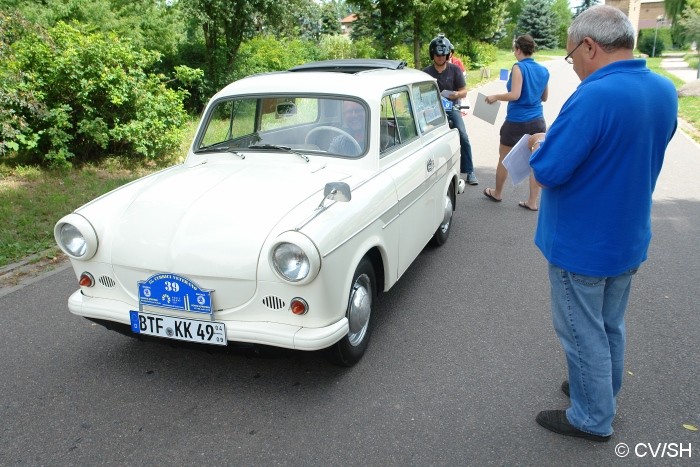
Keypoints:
pixel 452 86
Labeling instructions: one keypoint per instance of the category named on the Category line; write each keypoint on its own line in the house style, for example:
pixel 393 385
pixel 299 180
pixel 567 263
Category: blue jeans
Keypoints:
pixel 589 318
pixel 457 121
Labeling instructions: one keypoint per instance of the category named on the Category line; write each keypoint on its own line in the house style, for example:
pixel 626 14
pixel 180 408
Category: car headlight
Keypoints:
pixel 295 258
pixel 72 240
pixel 291 262
pixel 76 237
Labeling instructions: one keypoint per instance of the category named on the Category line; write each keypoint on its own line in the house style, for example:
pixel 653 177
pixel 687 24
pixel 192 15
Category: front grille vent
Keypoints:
pixel 107 281
pixel 274 303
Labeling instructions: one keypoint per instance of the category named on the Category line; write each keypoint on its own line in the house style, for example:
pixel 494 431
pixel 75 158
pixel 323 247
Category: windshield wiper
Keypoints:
pixel 218 148
pixel 279 148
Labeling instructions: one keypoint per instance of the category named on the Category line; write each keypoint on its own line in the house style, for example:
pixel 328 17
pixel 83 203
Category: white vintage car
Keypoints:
pixel 303 195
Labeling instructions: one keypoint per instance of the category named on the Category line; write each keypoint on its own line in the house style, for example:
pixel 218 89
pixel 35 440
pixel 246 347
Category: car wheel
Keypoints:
pixel 348 350
pixel 443 231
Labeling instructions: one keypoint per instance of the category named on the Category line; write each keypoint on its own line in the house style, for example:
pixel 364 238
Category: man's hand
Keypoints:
pixel 533 142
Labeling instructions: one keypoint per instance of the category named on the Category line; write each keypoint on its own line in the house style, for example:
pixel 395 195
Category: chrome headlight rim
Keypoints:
pixel 304 248
pixel 76 227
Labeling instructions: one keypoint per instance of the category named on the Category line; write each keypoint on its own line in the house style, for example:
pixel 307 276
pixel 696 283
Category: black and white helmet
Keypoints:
pixel 440 46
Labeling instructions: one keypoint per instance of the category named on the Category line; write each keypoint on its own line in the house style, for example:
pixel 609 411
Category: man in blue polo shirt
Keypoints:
pixel 598 166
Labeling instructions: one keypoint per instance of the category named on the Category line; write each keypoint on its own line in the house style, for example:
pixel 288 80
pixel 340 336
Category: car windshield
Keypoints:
pixel 321 125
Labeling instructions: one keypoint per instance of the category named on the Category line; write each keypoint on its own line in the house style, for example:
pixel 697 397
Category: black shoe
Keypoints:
pixel 556 421
pixel 565 388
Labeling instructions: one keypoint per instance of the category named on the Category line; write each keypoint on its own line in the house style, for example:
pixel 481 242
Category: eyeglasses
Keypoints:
pixel 569 59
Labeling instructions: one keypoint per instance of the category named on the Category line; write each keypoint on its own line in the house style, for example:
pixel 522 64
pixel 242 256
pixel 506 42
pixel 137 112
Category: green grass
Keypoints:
pixel 688 106
pixel 33 199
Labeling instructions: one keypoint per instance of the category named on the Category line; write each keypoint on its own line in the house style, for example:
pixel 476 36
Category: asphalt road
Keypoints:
pixel 462 358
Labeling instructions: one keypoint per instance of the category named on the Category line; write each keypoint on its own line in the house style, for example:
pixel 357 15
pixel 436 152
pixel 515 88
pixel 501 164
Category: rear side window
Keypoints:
pixel 397 123
pixel 430 113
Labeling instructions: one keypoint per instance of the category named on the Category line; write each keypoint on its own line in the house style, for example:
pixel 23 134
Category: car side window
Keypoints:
pixel 430 113
pixel 397 124
pixel 388 133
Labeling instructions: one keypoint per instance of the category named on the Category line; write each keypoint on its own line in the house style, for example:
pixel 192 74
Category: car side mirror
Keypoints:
pixel 337 191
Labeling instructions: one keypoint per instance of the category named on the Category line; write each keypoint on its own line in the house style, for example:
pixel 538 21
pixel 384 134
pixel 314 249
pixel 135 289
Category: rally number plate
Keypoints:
pixel 182 329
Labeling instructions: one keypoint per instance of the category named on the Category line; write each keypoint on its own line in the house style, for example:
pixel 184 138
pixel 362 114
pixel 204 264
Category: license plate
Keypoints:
pixel 182 329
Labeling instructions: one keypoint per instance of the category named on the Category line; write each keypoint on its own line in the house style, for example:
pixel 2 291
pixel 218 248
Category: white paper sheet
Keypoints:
pixel 517 161
pixel 484 111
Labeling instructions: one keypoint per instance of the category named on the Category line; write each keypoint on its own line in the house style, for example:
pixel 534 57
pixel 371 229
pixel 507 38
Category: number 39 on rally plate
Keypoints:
pixel 174 292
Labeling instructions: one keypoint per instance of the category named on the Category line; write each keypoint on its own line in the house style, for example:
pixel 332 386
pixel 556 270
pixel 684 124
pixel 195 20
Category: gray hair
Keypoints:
pixel 606 25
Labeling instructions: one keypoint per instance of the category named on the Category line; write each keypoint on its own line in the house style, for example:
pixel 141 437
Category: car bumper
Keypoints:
pixel 266 333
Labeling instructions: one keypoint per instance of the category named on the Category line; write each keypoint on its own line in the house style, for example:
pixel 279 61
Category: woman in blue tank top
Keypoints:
pixel 527 89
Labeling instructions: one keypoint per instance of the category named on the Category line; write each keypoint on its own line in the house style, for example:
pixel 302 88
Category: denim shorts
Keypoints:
pixel 511 132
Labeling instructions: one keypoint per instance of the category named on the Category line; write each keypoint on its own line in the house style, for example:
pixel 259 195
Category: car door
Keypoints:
pixel 412 169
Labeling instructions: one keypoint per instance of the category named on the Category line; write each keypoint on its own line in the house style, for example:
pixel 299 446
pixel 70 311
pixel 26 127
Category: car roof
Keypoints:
pixel 351 65
pixel 367 79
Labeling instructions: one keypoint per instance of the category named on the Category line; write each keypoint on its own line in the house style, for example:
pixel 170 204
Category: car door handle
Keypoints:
pixel 430 165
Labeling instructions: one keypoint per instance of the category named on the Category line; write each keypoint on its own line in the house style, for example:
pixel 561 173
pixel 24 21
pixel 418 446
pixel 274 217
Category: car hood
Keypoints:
pixel 212 220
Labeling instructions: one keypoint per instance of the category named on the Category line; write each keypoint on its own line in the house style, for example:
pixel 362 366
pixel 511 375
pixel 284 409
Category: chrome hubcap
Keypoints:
pixel 359 309
pixel 447 218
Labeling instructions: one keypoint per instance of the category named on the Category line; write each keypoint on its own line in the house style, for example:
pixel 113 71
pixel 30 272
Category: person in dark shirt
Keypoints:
pixel 453 87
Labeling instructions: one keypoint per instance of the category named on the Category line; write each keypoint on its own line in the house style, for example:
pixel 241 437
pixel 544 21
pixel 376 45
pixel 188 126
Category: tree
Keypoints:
pixel 563 12
pixel 418 21
pixel 690 23
pixel 154 25
pixel 674 9
pixel 223 25
pixel 483 19
pixel 585 5
pixel 332 12
pixel 538 20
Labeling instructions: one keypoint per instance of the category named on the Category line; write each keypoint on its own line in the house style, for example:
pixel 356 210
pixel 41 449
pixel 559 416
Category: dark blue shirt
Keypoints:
pixel 451 78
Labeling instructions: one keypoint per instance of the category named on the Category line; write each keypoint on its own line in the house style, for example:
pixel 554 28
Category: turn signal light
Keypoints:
pixel 298 306
pixel 86 280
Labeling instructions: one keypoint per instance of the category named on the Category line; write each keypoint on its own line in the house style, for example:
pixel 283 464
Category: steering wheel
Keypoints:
pixel 335 130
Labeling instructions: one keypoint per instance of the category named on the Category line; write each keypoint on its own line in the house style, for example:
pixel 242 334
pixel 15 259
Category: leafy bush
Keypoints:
pixel 333 47
pixel 402 52
pixel 364 48
pixel 479 54
pixel 18 104
pixel 91 97
pixel 268 53
pixel 645 41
